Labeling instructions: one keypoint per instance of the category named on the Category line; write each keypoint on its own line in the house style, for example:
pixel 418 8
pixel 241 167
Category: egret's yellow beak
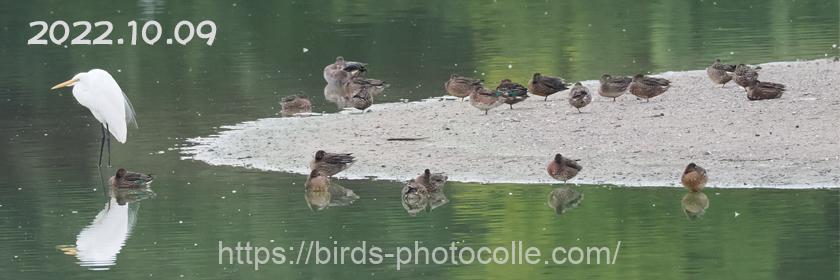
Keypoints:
pixel 65 84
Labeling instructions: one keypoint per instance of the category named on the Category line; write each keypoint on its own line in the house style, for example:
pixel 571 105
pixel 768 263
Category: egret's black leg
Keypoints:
pixel 101 145
pixel 108 136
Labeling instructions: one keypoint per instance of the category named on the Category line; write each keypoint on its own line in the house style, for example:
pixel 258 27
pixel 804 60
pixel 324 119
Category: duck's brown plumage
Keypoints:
pixel 562 168
pixel 128 179
pixel 648 87
pixel 432 181
pixel 362 91
pixel 745 75
pixel 545 85
pixel 759 90
pixel 579 96
pixel 719 73
pixel 613 87
pixel 484 99
pixel 513 92
pixel 460 86
pixel 342 70
pixel 295 104
pixel 330 164
pixel 694 177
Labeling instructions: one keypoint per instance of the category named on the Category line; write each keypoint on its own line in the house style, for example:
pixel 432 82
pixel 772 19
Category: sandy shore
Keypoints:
pixel 792 142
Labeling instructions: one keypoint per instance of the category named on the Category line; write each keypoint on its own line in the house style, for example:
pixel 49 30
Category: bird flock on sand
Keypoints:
pixel 346 83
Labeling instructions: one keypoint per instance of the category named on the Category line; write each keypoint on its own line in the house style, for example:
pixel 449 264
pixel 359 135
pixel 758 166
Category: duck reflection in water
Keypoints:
pixel 694 205
pixel 424 193
pixel 98 244
pixel 563 199
pixel 322 193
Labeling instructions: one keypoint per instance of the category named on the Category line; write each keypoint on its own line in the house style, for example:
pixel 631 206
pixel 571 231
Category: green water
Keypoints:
pixel 51 190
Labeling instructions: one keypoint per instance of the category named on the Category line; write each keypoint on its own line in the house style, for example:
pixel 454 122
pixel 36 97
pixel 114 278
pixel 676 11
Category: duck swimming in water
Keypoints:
pixel 128 179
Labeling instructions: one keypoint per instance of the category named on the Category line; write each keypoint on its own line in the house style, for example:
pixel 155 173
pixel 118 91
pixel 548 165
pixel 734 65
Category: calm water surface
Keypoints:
pixel 52 194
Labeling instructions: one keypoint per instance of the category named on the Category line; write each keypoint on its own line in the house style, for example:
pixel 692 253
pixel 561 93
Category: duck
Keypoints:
pixel 414 198
pixel 719 72
pixel 342 70
pixel 513 92
pixel 563 199
pixel 460 86
pixel 362 91
pixel 484 99
pixel 613 87
pixel 648 87
pixel 330 164
pixel 745 75
pixel 562 168
pixel 694 177
pixel 694 204
pixel 759 90
pixel 579 96
pixel 128 179
pixel 432 181
pixel 545 85
pixel 317 191
pixel 295 104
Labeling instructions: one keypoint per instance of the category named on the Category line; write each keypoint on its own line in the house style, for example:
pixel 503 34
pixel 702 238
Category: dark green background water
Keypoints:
pixel 51 189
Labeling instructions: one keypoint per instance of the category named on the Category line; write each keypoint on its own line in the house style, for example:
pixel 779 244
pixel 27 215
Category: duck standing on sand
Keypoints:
pixel 362 91
pixel 613 87
pixel 759 90
pixel 579 96
pixel 513 92
pixel 460 86
pixel 545 85
pixel 562 168
pixel 342 70
pixel 329 164
pixel 295 104
pixel 745 75
pixel 694 177
pixel 648 87
pixel 484 99
pixel 128 179
pixel 719 72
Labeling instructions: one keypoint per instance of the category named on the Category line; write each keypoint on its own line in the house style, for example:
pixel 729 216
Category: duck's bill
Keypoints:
pixel 65 84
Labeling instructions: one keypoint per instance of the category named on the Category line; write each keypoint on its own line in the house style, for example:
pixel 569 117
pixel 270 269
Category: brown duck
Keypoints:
pixel 362 91
pixel 460 86
pixel 613 87
pixel 330 164
pixel 545 85
pixel 562 168
pixel 694 177
pixel 432 181
pixel 128 179
pixel 745 75
pixel 719 72
pixel 648 87
pixel 759 90
pixel 295 104
pixel 513 92
pixel 579 96
pixel 343 70
pixel 484 99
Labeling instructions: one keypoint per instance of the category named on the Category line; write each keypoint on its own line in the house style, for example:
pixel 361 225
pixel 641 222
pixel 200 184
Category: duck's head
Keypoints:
pixel 717 60
pixel 506 81
pixel 558 158
pixel 690 167
pixel 537 75
pixel 314 173
pixel 606 77
pixel 339 59
pixel 319 155
pixel 578 84
pixel 120 173
pixel 638 77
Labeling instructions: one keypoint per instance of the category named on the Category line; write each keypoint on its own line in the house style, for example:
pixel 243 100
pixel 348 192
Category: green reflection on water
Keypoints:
pixel 50 143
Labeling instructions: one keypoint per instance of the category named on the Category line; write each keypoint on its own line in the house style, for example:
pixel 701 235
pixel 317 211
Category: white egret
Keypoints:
pixel 100 93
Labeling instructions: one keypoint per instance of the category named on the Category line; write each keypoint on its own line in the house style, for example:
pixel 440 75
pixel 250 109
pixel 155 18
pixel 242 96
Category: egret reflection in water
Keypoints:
pixel 98 244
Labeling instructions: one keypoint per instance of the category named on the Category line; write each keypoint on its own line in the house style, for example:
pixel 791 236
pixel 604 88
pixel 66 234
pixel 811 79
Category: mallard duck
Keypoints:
pixel 295 104
pixel 484 99
pixel 648 87
pixel 719 72
pixel 562 168
pixel 415 197
pixel 694 204
pixel 432 181
pixel 343 70
pixel 759 90
pixel 545 85
pixel 579 96
pixel 694 177
pixel 745 75
pixel 460 86
pixel 563 199
pixel 330 164
pixel 513 92
pixel 128 179
pixel 613 87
